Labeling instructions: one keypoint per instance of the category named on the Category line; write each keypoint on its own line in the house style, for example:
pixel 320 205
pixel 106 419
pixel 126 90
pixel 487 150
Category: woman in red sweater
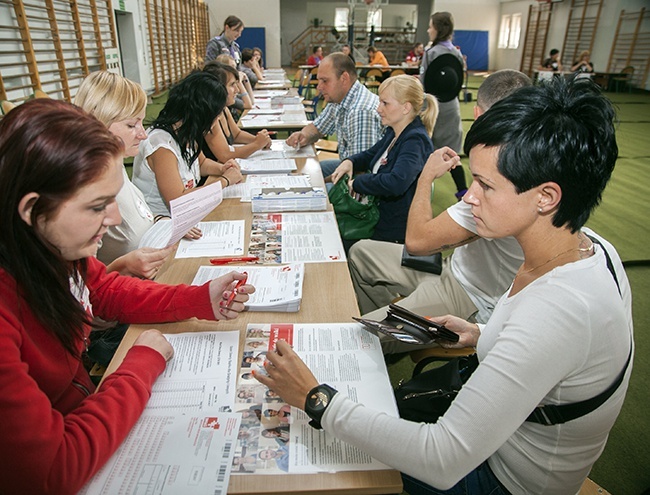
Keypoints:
pixel 60 170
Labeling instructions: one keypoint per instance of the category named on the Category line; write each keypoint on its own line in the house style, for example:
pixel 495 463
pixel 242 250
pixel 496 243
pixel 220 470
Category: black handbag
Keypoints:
pixel 427 395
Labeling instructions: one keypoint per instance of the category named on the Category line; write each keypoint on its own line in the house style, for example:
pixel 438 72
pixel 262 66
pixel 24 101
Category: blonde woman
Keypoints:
pixel 395 162
pixel 120 105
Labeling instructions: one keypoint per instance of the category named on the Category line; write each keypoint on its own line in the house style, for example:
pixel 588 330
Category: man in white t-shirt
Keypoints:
pixel 473 277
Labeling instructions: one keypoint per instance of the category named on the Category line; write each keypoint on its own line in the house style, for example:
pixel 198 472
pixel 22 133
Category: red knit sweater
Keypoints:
pixel 55 433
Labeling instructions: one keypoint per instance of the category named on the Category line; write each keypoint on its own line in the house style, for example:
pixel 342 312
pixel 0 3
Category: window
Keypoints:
pixel 374 19
pixel 510 31
pixel 504 32
pixel 341 19
pixel 515 31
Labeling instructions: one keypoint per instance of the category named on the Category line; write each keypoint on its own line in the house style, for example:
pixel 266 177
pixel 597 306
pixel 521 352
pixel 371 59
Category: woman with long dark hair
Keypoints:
pixel 226 133
pixel 60 172
pixel 170 162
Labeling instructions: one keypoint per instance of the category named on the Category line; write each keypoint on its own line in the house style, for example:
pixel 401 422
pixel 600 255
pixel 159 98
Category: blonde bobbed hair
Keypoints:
pixel 408 89
pixel 110 97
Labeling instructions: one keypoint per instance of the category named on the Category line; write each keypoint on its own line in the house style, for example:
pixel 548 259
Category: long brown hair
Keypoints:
pixel 51 148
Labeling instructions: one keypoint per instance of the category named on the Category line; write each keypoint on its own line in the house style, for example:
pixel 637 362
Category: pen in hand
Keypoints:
pixel 234 292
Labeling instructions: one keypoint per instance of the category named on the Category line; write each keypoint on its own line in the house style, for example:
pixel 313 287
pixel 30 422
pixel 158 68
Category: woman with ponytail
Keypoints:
pixel 396 160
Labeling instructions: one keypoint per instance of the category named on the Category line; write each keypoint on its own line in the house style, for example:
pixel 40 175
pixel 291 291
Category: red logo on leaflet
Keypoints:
pixel 278 332
pixel 276 218
pixel 211 422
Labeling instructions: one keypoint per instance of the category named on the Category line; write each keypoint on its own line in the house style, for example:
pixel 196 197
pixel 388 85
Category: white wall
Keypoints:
pixel 254 13
pixel 475 15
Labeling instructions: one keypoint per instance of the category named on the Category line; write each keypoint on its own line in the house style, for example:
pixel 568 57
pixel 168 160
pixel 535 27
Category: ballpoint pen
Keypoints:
pixel 232 259
pixel 241 282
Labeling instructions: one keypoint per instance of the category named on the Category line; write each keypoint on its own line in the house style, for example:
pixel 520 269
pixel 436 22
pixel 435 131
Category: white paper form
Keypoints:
pixel 202 373
pixel 257 182
pixel 254 166
pixel 277 288
pixel 280 149
pixel 189 209
pixel 345 356
pixel 270 93
pixel 265 111
pixel 219 239
pixel 183 442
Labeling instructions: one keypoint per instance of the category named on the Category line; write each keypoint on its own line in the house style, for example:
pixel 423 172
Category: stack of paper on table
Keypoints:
pixel 277 288
pixel 258 182
pixel 280 149
pixel 255 166
pixel 288 199
pixel 269 93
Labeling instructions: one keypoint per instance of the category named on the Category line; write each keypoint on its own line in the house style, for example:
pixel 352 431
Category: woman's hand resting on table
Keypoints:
pixel 220 290
pixel 287 375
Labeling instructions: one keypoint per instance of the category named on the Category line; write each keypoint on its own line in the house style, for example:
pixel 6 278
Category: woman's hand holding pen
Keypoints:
pixel 155 340
pixel 228 294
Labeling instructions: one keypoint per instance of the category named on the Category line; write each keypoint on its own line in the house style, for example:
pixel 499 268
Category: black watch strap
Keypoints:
pixel 317 401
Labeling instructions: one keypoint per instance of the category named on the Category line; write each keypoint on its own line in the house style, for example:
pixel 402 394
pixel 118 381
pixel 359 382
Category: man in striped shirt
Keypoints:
pixel 351 112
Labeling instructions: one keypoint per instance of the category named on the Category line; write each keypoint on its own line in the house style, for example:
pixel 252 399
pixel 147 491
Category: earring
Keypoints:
pixel 539 210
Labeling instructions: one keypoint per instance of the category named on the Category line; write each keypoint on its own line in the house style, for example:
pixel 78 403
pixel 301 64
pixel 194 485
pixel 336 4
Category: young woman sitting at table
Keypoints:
pixel 60 171
pixel 120 105
pixel 396 160
pixel 218 143
pixel 170 162
pixel 562 334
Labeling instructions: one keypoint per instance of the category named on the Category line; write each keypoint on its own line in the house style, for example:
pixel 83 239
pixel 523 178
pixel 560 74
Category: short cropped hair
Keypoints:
pixel 342 63
pixel 560 132
pixel 110 97
pixel 554 51
pixel 498 85
pixel 246 55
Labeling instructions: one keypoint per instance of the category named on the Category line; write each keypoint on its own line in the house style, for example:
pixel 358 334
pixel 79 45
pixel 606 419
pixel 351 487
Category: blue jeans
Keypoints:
pixel 481 481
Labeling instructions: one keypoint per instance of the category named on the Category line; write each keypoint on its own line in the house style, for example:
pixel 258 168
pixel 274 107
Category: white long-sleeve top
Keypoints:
pixel 563 339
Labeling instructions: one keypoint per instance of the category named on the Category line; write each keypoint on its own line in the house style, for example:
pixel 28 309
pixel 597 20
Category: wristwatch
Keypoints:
pixel 317 401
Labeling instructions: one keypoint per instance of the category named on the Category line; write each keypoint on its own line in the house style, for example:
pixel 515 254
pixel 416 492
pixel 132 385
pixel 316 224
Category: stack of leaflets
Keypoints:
pixel 272 199
pixel 277 288
pixel 281 166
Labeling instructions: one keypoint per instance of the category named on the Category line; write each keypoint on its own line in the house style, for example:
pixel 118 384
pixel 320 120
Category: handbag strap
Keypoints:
pixel 551 414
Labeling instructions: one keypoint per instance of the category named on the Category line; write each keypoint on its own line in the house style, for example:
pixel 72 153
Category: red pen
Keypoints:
pixel 241 282
pixel 232 259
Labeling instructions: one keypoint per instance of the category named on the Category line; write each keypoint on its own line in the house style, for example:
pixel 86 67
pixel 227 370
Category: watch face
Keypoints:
pixel 319 399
